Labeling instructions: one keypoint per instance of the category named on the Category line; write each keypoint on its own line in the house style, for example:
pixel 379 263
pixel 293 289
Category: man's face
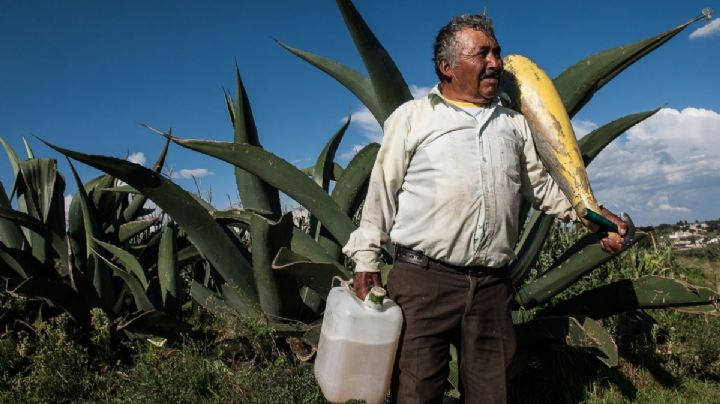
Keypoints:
pixel 476 76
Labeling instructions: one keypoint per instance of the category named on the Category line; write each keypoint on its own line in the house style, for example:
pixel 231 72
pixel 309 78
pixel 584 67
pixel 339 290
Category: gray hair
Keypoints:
pixel 446 44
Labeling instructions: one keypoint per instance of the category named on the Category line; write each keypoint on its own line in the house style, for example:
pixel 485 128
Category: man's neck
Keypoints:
pixel 452 94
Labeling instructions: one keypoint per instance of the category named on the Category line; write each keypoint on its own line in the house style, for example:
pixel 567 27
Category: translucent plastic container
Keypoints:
pixel 357 348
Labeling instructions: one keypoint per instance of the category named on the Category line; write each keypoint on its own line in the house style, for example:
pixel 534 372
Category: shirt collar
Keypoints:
pixel 436 97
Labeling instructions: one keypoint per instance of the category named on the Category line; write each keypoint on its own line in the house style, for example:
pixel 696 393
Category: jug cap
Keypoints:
pixel 374 298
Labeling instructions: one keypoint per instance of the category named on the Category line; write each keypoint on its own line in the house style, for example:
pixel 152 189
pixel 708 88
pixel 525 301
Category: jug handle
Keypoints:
pixel 345 284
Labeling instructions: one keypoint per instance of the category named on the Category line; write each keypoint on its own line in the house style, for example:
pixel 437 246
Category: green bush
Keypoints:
pixel 58 368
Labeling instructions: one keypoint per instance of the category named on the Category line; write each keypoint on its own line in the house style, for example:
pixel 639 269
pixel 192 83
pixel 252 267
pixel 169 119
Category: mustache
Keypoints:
pixel 491 73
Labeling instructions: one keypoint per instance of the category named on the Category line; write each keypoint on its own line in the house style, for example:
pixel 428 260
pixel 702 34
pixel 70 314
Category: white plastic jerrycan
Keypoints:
pixel 358 340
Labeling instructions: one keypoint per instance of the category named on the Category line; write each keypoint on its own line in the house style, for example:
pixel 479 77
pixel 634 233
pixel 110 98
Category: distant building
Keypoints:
pixel 691 236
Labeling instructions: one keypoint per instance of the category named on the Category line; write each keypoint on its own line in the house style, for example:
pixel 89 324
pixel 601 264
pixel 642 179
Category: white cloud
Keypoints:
pixel 369 126
pixel 68 199
pixel 350 154
pixel 712 28
pixel 582 128
pixel 137 158
pixel 419 91
pixel 192 172
pixel 667 168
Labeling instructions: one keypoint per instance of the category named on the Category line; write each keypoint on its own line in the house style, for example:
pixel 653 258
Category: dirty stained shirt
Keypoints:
pixel 448 183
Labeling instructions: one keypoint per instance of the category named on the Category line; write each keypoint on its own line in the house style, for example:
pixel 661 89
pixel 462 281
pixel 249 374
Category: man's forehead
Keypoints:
pixel 474 39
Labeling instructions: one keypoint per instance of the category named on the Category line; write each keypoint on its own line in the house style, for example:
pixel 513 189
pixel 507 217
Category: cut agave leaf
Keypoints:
pixel 648 292
pixel 581 258
pixel 267 238
pixel 577 331
pixel 315 275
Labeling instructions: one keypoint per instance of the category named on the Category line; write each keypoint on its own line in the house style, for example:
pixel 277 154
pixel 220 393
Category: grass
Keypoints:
pixel 666 356
pixel 54 362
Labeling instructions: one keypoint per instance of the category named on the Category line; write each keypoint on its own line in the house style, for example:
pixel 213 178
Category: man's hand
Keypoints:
pixel 363 281
pixel 613 242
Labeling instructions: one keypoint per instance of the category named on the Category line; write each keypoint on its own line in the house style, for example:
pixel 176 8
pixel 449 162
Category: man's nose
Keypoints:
pixel 493 62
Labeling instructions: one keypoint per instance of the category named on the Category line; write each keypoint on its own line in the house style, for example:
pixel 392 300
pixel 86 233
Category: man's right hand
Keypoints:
pixel 363 281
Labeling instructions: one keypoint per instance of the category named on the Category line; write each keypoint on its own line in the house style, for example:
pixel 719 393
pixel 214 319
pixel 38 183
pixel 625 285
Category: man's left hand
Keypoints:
pixel 613 243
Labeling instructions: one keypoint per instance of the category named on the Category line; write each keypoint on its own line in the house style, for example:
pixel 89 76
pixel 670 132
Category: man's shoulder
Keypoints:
pixel 509 112
pixel 411 108
pixel 514 117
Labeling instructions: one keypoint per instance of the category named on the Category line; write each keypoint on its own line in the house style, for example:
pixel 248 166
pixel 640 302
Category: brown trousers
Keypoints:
pixel 443 306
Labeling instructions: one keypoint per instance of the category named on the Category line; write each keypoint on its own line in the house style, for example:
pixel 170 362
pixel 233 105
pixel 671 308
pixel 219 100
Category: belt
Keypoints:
pixel 404 254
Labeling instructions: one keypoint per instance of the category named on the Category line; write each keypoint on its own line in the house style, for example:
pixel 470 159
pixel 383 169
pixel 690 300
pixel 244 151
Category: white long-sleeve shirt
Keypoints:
pixel 449 184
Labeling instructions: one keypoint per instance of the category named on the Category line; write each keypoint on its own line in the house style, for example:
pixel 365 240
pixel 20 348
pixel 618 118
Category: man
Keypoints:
pixel 446 189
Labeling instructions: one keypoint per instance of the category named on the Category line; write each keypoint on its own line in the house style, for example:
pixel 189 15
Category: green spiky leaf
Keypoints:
pixel 10 233
pixel 267 238
pixel 254 193
pixel 210 239
pixel 131 229
pixel 577 84
pixel 388 83
pixel 358 84
pixel 594 142
pixel 168 269
pixel 577 331
pixel 349 187
pixel 127 260
pixel 648 292
pixel 581 258
pixel 315 275
pixel 283 176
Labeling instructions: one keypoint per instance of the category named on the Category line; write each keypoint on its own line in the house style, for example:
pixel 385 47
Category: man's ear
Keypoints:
pixel 445 68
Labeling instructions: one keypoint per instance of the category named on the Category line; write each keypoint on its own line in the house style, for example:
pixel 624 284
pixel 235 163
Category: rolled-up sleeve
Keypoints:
pixel 380 206
pixel 539 187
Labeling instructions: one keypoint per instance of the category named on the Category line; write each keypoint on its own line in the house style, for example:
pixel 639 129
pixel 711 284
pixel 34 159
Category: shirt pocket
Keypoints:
pixel 507 151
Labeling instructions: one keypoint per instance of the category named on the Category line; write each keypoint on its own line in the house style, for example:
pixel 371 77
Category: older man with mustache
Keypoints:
pixel 446 189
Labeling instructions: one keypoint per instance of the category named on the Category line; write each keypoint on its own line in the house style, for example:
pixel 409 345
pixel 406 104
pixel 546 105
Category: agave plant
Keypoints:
pixel 65 264
pixel 285 273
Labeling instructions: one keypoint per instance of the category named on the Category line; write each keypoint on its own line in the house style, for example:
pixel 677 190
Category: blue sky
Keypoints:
pixel 83 74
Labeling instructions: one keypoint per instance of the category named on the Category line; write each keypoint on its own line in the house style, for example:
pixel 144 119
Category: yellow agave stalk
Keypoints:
pixel 535 96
